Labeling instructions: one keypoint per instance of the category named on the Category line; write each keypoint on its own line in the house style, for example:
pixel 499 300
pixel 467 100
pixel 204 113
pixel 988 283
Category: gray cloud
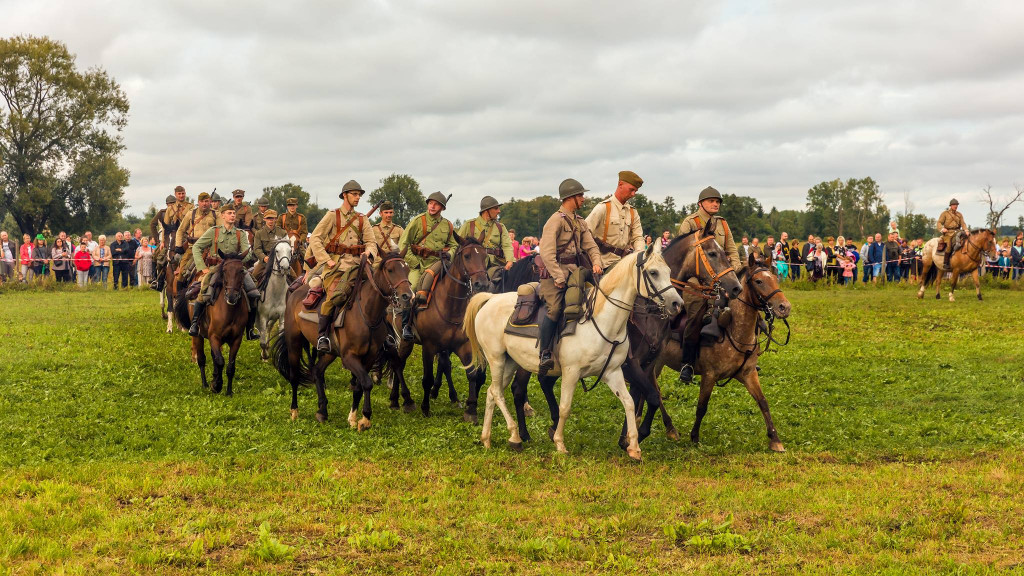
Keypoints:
pixel 510 98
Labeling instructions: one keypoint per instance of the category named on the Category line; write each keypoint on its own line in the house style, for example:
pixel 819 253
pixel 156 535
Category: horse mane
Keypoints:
pixel 980 230
pixel 679 238
pixel 521 272
pixel 619 274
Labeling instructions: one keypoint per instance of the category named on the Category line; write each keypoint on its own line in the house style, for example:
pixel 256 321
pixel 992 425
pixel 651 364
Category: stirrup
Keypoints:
pixel 323 344
pixel 686 374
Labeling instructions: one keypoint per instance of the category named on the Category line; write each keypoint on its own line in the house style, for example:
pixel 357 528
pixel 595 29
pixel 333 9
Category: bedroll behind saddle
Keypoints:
pixel 525 319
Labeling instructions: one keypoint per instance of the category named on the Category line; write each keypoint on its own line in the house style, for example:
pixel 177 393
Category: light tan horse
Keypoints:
pixel 966 260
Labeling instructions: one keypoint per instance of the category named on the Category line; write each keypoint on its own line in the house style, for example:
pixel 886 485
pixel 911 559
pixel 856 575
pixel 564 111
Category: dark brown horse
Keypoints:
pixel 359 342
pixel 438 327
pixel 167 297
pixel 966 260
pixel 735 354
pixel 223 323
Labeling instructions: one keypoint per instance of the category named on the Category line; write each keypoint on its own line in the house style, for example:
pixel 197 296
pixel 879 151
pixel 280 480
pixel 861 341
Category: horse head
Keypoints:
pixel 699 256
pixel 393 277
pixel 657 279
pixel 470 262
pixel 762 279
pixel 281 257
pixel 232 275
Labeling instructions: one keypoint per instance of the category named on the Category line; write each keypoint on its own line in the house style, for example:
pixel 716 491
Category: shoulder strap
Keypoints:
pixel 472 228
pixel 238 238
pixel 216 231
pixel 607 217
pixel 340 230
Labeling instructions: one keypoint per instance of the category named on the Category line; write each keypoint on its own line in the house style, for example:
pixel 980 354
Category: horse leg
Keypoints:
pixel 752 380
pixel 361 387
pixel 408 404
pixel 547 385
pixel 318 372
pixel 163 310
pixel 294 358
pixel 670 429
pixel 232 353
pixel 519 388
pixel 453 395
pixel 497 369
pixel 428 354
pixel 707 385
pixel 477 378
pixel 170 312
pixel 977 283
pixel 357 396
pixel 498 392
pixel 569 378
pixel 617 383
pixel 923 274
pixel 954 279
pixel 261 324
pixel 438 377
pixel 218 364
pixel 199 353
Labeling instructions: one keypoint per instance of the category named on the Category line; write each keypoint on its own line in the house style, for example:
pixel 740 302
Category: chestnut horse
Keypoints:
pixel 169 293
pixel 223 323
pixel 359 342
pixel 736 354
pixel 964 261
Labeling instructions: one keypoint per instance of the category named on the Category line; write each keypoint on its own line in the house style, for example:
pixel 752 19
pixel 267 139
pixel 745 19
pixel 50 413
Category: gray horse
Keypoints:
pixel 274 290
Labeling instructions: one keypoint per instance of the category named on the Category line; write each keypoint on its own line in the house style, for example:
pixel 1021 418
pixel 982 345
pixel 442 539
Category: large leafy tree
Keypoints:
pixel 527 217
pixel 60 138
pixel 851 208
pixel 278 197
pixel 404 192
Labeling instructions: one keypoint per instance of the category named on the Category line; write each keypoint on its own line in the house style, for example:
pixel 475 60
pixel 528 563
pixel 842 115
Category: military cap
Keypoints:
pixel 708 192
pixel 630 177
pixel 351 186
pixel 439 198
pixel 488 202
pixel 204 196
pixel 179 188
pixel 227 207
pixel 216 197
pixel 569 188
pixel 269 214
pixel 238 192
pixel 171 199
pixel 954 202
pixel 386 205
pixel 292 202
pixel 263 202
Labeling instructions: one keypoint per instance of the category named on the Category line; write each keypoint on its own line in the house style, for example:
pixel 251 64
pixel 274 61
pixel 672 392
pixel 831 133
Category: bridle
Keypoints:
pixel 707 291
pixel 276 265
pixel 763 305
pixel 449 269
pixel 393 298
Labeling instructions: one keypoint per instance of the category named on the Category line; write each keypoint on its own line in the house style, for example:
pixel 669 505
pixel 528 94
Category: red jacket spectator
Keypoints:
pixel 83 260
pixel 26 254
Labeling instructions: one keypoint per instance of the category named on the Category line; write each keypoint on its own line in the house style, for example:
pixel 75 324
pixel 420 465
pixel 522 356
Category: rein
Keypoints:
pixel 449 271
pixel 276 268
pixel 705 291
pixel 393 299
pixel 761 306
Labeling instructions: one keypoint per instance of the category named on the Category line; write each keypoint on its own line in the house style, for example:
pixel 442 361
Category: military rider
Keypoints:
pixel 386 232
pixel 259 219
pixel 565 245
pixel 195 223
pixel 163 236
pixel 293 223
pixel 222 239
pixel 949 224
pixel 337 243
pixel 708 205
pixel 427 238
pixel 243 212
pixel 172 220
pixel 263 242
pixel 615 224
pixel 492 235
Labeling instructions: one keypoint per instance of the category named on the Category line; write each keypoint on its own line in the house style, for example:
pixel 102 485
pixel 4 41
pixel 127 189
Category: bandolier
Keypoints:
pixel 243 212
pixel 492 235
pixel 294 223
pixel 171 220
pixel 616 225
pixel 387 234
pixel 259 219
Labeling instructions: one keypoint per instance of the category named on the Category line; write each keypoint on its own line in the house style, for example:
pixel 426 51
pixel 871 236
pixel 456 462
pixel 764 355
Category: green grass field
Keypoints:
pixel 902 419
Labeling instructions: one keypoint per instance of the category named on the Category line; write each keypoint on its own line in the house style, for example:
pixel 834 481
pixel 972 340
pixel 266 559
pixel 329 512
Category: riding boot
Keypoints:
pixel 407 326
pixel 323 327
pixel 547 335
pixel 197 315
pixel 251 333
pixel 689 359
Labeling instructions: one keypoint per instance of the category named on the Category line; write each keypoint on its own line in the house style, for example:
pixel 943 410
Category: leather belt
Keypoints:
pixel 606 247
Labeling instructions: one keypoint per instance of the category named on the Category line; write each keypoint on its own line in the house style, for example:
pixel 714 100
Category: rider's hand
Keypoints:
pixel 508 265
pixel 597 269
pixel 266 258
pixel 331 263
pixel 943 229
pixel 560 285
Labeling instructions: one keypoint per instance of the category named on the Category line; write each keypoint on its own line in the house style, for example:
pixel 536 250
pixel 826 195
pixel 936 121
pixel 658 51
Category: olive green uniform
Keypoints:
pixel 195 224
pixel 422 243
pixel 259 221
pixel 356 237
pixel 953 222
pixel 616 229
pixel 228 241
pixel 565 244
pixel 695 305
pixel 387 236
pixel 243 215
pixel 262 246
pixel 495 240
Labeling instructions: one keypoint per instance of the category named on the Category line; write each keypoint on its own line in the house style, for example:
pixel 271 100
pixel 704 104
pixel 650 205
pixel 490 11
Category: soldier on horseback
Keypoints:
pixel 493 236
pixel 228 240
pixel 195 224
pixel 172 220
pixel 337 243
pixel 264 240
pixel 166 239
pixel 387 233
pixel 427 239
pixel 294 224
pixel 565 245
pixel 705 218
pixel 615 224
pixel 243 212
pixel 259 220
pixel 950 224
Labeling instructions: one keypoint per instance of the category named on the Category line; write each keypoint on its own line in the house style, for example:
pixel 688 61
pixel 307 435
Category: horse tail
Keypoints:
pixel 469 326
pixel 181 310
pixel 933 272
pixel 279 354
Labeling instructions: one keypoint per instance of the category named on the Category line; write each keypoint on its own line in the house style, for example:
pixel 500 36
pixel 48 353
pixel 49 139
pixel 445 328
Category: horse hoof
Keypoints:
pixel 229 393
pixel 920 296
pixel 264 356
pixel 551 433
pixel 426 412
pixel 937 297
pixel 515 446
pixel 561 449
pixel 409 408
pixel 623 444
pixel 694 439
pixel 526 436
pixel 469 418
pixel 394 406
pixel 528 410
pixel 634 454
pixel 321 417
pixel 979 297
pixel 351 419
pixel 673 434
pixel 776 446
pixel 486 442
pixel 364 424
pixel 295 414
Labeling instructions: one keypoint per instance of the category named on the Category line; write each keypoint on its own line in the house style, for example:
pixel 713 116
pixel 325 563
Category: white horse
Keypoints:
pixel 275 296
pixel 598 348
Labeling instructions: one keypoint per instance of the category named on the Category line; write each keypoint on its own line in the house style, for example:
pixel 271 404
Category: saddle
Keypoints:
pixel 434 274
pixel 525 320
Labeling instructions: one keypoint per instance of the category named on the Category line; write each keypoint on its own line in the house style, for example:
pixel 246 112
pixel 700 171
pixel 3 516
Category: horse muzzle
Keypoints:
pixel 782 309
pixel 232 297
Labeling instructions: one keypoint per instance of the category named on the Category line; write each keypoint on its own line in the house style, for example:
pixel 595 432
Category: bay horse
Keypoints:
pixel 168 295
pixel 358 342
pixel 224 320
pixel 736 354
pixel 438 327
pixel 593 350
pixel 966 260
pixel 273 292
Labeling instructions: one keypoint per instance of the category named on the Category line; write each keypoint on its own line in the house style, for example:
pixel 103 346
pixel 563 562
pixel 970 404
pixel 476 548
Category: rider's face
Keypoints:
pixel 228 217
pixel 711 205
pixel 434 207
pixel 387 215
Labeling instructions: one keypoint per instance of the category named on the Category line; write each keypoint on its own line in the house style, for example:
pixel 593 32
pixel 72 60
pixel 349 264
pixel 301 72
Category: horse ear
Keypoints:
pixel 752 259
pixel 656 246
pixel 458 238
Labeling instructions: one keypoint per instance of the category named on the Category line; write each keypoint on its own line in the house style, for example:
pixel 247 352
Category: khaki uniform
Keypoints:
pixel 616 229
pixel 195 224
pixel 952 222
pixel 565 244
pixel 171 218
pixel 259 221
pixel 356 237
pixel 243 215
pixel 422 243
pixel 218 239
pixel 694 305
pixel 176 213
pixel 262 245
pixel 160 234
pixel 387 236
pixel 294 225
pixel 495 240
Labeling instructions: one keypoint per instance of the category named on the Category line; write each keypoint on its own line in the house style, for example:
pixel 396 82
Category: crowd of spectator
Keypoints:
pixel 80 259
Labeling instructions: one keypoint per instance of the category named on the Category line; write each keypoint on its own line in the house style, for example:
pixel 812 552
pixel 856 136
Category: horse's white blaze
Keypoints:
pixel 583 354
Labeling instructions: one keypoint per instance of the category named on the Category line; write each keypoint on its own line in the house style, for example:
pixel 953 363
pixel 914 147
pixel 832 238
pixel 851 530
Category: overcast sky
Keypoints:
pixel 508 98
